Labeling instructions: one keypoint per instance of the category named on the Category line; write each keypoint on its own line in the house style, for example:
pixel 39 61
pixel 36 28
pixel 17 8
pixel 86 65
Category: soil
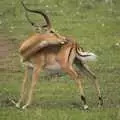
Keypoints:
pixel 5 47
pixel 9 60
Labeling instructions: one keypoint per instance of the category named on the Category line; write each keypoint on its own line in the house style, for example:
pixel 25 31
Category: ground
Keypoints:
pixel 7 54
pixel 95 25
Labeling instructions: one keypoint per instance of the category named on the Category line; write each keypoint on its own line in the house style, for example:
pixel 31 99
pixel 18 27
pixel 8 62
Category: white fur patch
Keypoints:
pixel 86 56
pixel 29 64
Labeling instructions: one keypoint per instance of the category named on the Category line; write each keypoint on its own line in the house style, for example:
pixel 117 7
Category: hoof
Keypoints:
pixel 85 107
pixel 24 107
pixel 17 105
pixel 99 106
pixel 100 103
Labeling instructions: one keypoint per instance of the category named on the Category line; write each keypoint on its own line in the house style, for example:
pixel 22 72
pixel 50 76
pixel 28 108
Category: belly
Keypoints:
pixel 53 68
pixel 49 62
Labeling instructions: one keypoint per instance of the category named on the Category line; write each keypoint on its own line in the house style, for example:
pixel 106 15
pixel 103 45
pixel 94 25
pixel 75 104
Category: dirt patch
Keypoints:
pixel 9 59
pixel 5 47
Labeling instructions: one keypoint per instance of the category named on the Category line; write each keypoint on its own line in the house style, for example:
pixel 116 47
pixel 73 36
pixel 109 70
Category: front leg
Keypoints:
pixel 35 75
pixel 28 73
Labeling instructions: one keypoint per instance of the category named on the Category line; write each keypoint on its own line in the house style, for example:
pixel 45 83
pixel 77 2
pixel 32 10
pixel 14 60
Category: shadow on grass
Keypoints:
pixel 5 101
pixel 48 104
pixel 70 103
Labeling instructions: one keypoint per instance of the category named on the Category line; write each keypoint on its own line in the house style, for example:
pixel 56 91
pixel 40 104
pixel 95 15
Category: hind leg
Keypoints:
pixel 66 58
pixel 95 82
pixel 100 102
pixel 74 75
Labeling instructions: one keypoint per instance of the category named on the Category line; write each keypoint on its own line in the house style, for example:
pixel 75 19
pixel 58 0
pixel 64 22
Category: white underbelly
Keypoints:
pixel 28 64
pixel 54 68
pixel 51 69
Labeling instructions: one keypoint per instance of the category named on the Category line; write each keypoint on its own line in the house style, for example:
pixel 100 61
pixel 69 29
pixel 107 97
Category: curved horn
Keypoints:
pixel 32 23
pixel 39 12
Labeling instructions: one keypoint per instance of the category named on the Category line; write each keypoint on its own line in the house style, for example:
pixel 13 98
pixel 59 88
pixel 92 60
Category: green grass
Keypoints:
pixel 95 25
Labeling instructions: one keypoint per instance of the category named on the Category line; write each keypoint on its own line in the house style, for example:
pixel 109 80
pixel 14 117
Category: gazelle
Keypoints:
pixel 47 52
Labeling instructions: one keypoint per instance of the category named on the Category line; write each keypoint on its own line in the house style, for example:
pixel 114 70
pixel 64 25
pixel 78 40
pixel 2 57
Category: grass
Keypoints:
pixel 95 25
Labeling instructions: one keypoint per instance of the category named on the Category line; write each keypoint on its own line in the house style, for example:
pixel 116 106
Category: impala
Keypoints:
pixel 52 52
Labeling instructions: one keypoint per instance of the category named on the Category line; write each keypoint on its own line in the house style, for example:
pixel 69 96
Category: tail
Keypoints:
pixel 48 23
pixel 87 56
pixel 81 58
pixel 84 56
